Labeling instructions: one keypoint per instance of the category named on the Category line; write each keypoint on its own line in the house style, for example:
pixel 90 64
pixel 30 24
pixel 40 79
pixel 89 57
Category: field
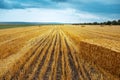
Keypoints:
pixel 6 26
pixel 60 52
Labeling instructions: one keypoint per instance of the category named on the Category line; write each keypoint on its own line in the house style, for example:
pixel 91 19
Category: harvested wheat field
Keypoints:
pixel 60 52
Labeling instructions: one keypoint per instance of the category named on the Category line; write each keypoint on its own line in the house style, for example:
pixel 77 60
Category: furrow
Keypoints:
pixel 59 62
pixel 54 70
pixel 50 61
pixel 33 61
pixel 66 68
pixel 75 75
pixel 79 62
pixel 63 63
pixel 51 73
pixel 83 74
pixel 19 64
pixel 42 62
pixel 86 72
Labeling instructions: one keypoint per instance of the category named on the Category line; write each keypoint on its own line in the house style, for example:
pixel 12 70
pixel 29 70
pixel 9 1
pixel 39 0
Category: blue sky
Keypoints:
pixel 65 11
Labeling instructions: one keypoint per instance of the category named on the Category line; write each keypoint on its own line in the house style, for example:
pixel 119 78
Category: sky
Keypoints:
pixel 62 11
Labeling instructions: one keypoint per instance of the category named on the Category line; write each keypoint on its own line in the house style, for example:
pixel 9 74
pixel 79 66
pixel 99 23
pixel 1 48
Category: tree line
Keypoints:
pixel 114 22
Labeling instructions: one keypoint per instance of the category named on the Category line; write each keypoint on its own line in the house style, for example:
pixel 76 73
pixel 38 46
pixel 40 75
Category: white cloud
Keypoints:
pixel 49 15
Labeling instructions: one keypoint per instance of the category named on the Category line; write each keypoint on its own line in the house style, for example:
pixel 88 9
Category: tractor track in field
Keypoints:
pixel 42 61
pixel 53 57
pixel 75 74
pixel 47 73
pixel 35 58
pixel 59 63
pixel 27 58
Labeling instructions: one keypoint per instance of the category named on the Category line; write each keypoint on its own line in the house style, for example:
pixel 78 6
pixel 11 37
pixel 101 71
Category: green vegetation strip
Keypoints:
pixel 4 26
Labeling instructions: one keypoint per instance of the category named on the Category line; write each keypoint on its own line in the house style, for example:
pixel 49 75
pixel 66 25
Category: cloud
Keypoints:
pixel 49 15
pixel 95 6
pixel 20 4
pixel 83 10
pixel 99 8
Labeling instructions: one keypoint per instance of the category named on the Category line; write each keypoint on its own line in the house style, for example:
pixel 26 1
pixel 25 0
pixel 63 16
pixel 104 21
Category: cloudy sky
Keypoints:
pixel 65 11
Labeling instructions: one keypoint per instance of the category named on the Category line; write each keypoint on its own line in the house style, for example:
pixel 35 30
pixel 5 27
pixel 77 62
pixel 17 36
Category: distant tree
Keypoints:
pixel 90 23
pixel 119 22
pixel 114 22
pixel 108 23
pixel 95 23
pixel 101 23
pixel 104 23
